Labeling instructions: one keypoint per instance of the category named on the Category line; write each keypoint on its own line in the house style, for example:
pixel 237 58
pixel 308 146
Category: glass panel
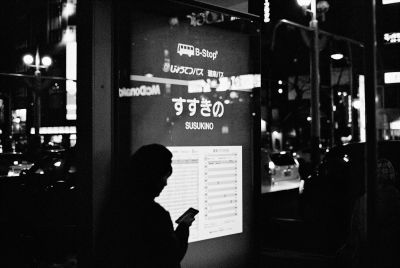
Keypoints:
pixel 187 80
pixel 38 133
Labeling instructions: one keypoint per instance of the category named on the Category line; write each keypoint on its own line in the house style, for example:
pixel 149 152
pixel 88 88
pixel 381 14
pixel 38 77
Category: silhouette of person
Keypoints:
pixel 388 216
pixel 387 244
pixel 143 233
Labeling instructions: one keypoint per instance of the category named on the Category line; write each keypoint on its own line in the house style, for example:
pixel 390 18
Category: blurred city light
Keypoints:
pixel 46 61
pixel 357 104
pixel 71 74
pixel 55 130
pixel 386 2
pixel 391 38
pixel 271 165
pixel 28 59
pixel 31 61
pixel 304 3
pixel 337 56
pixel 392 77
pixel 69 34
pixel 233 95
pixel 266 11
pixel 69 9
pixel 263 125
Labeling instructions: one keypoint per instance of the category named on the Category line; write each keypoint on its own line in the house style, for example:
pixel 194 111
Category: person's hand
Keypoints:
pixel 187 220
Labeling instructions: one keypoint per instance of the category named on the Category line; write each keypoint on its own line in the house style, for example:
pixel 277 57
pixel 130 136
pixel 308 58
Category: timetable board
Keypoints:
pixel 208 178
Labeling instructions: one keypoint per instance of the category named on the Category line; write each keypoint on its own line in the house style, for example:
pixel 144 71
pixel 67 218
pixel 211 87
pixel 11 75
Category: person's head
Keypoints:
pixel 385 173
pixel 150 167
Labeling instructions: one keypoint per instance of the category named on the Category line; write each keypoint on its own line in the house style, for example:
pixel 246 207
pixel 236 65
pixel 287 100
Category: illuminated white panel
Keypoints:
pixel 69 8
pixel 71 111
pixel 21 113
pixel 56 130
pixel 263 125
pixel 71 63
pixel 349 107
pixel 392 77
pixel 245 82
pixel 266 11
pixel 386 2
pixel 69 34
pixel 361 92
pixel 391 38
pixel 395 124
pixel 208 178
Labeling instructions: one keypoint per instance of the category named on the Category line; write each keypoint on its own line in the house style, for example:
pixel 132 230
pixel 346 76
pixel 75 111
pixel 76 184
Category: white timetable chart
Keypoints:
pixel 208 178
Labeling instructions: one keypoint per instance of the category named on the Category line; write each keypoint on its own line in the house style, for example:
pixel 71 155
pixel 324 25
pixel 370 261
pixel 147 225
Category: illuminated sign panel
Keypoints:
pixel 392 77
pixel 187 80
pixel 266 11
pixel 362 119
pixel 70 72
pixel 391 38
pixel 386 2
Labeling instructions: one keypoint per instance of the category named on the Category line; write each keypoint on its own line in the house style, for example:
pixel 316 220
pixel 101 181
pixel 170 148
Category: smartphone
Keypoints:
pixel 191 211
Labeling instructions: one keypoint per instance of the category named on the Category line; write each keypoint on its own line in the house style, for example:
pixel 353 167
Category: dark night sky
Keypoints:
pixel 345 17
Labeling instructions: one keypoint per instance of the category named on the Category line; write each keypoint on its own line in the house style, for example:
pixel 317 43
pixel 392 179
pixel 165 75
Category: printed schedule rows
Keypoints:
pixel 210 180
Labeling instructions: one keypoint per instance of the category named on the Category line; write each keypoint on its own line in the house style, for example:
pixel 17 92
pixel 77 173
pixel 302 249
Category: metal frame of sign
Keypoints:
pixel 255 107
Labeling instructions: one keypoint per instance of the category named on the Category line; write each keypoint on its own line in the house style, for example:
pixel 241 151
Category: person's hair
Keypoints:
pixel 150 163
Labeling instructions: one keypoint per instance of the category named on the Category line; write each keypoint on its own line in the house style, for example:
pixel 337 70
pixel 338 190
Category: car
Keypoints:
pixel 282 171
pixel 331 191
pixel 18 166
pixel 342 170
pixel 12 163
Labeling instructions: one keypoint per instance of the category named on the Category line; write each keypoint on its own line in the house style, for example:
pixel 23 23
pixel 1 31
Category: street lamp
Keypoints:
pixel 337 56
pixel 304 3
pixel 314 70
pixel 37 63
pixel 31 61
pixel 322 7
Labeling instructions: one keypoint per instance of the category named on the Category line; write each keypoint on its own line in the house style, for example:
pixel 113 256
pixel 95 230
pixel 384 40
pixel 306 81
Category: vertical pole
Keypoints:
pixel 332 111
pixel 37 103
pixel 84 124
pixel 269 116
pixel 351 92
pixel 371 135
pixel 6 142
pixel 315 122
